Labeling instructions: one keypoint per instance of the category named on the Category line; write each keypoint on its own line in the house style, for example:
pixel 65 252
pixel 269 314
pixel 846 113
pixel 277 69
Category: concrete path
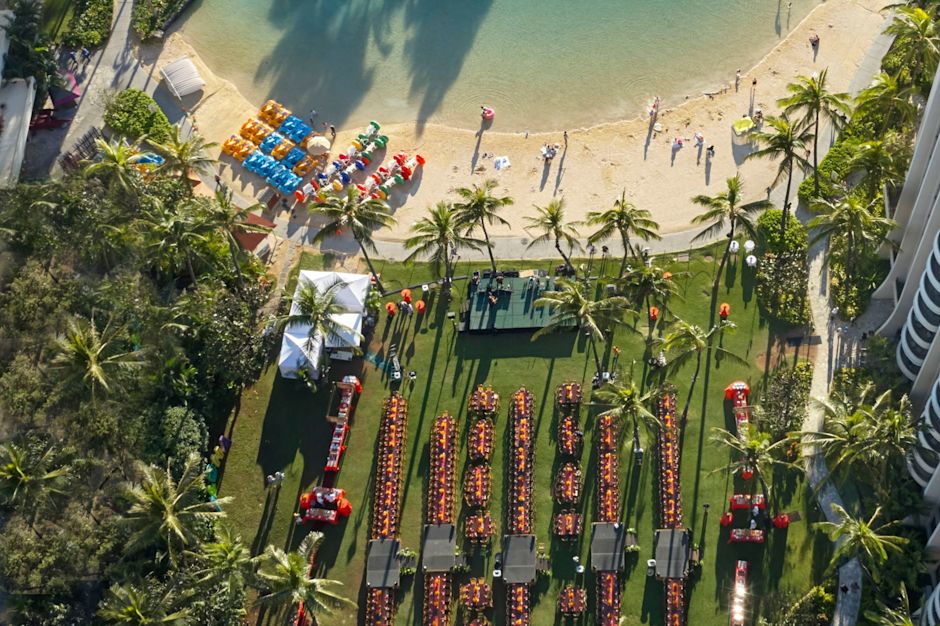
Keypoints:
pixel 839 348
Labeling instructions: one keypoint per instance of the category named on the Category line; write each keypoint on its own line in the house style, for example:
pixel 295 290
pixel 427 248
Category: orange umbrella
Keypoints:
pixel 406 295
pixel 420 305
pixel 391 309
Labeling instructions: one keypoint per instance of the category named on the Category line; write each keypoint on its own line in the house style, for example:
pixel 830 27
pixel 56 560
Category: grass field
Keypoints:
pixel 280 426
pixel 55 17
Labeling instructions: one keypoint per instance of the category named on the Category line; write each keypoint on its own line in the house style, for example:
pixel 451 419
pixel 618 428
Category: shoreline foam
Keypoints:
pixel 600 160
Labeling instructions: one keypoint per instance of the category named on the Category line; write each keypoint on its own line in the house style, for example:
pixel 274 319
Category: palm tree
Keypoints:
pixel 139 606
pixel 916 39
pixel 94 358
pixel 866 438
pixel 857 537
pixel 30 477
pixel 229 220
pixel 649 284
pixel 722 208
pixel 752 450
pixel 686 341
pixel 184 156
pixel 881 161
pixel 570 308
pixel 169 513
pixel 319 311
pixel 225 563
pixel 116 162
pixel 284 581
pixel 854 220
pixel 889 100
pixel 627 401
pixel 439 236
pixel 361 216
pixel 892 616
pixel 786 140
pixel 627 221
pixel 550 221
pixel 176 237
pixel 810 96
pixel 479 207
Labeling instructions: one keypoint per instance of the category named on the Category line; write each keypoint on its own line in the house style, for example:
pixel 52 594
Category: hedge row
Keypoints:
pixel 782 276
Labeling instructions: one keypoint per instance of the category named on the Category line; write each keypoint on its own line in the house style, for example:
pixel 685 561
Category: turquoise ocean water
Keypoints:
pixel 542 64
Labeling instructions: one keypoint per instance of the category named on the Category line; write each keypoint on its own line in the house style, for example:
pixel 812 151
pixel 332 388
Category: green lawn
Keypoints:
pixel 55 17
pixel 280 425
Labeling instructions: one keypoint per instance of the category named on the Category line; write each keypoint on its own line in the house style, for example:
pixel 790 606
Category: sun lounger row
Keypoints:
pixel 443 454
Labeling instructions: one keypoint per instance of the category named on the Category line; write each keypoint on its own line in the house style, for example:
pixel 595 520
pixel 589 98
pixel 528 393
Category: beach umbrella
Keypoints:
pixel 318 145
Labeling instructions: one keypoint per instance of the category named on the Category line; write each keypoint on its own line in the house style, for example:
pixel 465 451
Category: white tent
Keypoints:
pixel 182 77
pixel 296 351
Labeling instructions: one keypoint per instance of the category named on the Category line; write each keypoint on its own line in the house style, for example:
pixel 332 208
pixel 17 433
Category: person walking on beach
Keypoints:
pixel 332 133
pixel 313 116
pixel 737 80
pixel 566 138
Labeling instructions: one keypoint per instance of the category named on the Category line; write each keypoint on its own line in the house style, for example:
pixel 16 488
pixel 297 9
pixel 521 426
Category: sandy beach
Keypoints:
pixel 596 163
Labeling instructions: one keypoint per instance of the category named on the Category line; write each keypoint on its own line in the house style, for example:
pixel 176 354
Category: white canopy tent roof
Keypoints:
pixel 182 77
pixel 296 350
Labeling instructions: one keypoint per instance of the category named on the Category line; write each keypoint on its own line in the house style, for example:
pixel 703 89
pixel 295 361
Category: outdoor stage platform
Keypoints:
pixel 506 303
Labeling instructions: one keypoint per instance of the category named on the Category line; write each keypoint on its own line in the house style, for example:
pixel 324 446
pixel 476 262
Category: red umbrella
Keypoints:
pixel 724 310
pixel 343 507
pixel 305 501
pixel 391 309
pixel 420 305
pixel 406 295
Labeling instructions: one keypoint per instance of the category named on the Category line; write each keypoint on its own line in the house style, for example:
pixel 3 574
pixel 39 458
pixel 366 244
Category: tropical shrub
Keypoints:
pixel 784 398
pixel 795 239
pixel 870 271
pixel 782 274
pixel 788 608
pixel 150 15
pixel 90 24
pixel 833 170
pixel 133 113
